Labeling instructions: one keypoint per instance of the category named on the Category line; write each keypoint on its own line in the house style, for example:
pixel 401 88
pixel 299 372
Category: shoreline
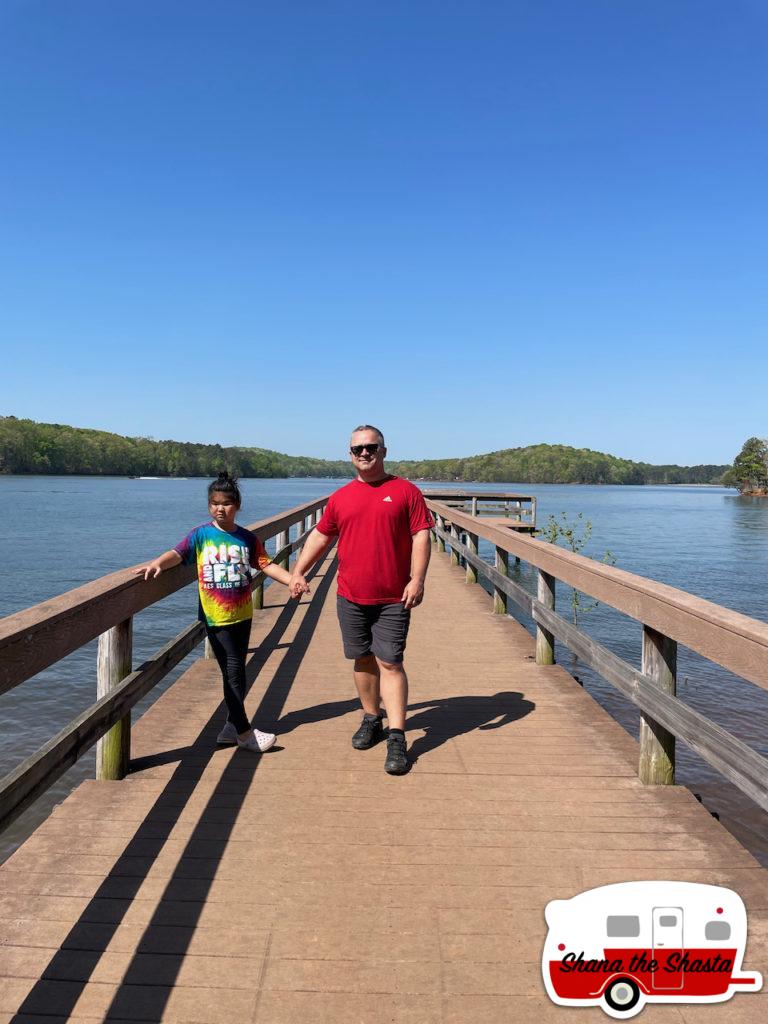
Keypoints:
pixel 431 480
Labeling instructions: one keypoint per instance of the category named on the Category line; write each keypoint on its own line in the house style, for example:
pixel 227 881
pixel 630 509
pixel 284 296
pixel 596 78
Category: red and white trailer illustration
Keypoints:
pixel 622 946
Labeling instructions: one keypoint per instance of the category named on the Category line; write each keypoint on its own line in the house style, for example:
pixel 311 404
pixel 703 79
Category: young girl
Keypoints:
pixel 225 553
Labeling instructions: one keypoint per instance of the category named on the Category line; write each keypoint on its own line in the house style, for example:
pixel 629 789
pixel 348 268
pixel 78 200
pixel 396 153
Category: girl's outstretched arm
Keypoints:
pixel 165 561
pixel 277 572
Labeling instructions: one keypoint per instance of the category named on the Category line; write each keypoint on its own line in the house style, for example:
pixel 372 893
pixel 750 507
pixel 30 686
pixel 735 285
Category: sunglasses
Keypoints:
pixel 358 449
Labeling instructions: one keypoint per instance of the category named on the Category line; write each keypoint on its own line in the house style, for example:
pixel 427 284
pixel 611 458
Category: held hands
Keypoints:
pixel 413 594
pixel 297 585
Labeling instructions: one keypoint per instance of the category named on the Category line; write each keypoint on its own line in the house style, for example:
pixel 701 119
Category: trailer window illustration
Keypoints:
pixel 622 946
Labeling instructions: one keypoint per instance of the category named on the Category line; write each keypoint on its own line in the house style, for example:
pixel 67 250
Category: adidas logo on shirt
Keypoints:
pixel 387 498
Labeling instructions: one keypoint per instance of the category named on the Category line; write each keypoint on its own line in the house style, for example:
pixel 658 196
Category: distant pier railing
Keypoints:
pixel 38 637
pixel 519 510
pixel 667 616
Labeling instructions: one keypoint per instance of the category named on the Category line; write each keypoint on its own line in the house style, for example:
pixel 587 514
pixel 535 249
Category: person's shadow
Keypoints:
pixel 444 719
pixel 317 713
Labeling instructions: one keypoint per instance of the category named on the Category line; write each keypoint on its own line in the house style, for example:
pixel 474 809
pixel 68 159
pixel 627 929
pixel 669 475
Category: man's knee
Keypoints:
pixel 367 663
pixel 390 666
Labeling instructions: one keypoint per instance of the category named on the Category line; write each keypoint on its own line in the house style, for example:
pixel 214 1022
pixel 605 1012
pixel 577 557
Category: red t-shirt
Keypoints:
pixel 375 524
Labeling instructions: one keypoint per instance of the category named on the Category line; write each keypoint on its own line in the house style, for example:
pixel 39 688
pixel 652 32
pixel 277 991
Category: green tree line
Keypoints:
pixel 557 464
pixel 30 447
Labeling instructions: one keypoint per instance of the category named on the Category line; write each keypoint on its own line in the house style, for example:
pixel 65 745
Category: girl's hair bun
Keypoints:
pixel 225 484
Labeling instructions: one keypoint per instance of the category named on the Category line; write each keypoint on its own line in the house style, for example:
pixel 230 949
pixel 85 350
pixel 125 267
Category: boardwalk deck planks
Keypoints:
pixel 306 884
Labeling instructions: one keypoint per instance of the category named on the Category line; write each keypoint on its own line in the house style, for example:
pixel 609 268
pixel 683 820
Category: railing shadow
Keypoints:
pixel 444 720
pixel 157 959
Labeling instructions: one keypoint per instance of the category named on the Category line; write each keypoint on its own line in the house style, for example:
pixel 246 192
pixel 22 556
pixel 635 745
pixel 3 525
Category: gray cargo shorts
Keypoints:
pixel 380 629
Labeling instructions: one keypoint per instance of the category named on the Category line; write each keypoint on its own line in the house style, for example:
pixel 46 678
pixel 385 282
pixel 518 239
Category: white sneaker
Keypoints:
pixel 228 734
pixel 258 741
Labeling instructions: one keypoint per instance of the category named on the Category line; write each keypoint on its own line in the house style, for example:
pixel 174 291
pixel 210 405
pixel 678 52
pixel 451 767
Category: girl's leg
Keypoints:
pixel 230 646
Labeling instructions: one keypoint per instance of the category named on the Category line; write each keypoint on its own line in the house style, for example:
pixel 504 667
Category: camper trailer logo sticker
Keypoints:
pixel 622 946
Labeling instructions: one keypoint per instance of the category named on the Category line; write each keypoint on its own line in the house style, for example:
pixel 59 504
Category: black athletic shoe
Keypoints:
pixel 371 731
pixel 397 756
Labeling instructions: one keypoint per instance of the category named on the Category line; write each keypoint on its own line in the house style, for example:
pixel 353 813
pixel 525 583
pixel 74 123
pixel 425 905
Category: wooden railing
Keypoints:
pixel 668 617
pixel 38 637
pixel 519 509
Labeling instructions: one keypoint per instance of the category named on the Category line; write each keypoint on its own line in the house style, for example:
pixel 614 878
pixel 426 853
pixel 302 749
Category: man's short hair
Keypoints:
pixel 367 426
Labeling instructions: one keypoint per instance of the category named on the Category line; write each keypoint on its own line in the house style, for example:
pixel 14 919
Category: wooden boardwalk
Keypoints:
pixel 308 885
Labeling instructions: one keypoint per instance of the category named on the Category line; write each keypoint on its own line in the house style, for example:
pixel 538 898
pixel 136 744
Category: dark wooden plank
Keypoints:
pixel 114 663
pixel 545 641
pixel 657 745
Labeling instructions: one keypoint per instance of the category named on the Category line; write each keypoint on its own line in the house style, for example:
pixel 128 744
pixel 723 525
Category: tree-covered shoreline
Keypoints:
pixel 56 449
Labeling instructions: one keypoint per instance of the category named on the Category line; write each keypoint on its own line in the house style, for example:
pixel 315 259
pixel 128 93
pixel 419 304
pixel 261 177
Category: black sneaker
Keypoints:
pixel 371 731
pixel 397 756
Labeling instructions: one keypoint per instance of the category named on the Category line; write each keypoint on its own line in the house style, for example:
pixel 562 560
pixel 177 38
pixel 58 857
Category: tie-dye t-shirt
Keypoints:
pixel 224 562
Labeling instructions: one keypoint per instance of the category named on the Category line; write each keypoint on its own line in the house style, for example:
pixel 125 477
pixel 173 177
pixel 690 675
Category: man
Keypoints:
pixel 382 523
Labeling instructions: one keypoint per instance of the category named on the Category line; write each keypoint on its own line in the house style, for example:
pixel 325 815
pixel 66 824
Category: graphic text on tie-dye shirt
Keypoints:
pixel 224 566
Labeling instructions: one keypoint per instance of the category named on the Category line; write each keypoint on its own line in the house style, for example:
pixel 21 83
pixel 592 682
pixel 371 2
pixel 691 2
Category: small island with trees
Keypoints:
pixel 749 472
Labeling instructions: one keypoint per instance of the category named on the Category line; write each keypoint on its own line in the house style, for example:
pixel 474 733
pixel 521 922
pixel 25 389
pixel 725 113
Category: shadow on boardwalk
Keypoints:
pixel 90 937
pixel 443 720
pixel 446 719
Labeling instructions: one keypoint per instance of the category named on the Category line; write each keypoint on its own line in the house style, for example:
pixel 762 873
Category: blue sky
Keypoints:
pixel 480 225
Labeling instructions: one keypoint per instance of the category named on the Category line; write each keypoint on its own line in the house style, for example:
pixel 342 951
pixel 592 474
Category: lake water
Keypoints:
pixel 705 540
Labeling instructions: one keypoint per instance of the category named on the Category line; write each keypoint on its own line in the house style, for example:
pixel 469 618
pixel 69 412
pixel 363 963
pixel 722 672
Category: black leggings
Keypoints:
pixel 230 646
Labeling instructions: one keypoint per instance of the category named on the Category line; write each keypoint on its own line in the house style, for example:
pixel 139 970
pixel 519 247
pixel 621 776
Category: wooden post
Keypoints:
pixel 499 597
pixel 474 504
pixel 454 553
pixel 545 641
pixel 257 595
pixel 115 660
pixel 280 542
pixel 471 576
pixel 440 540
pixel 209 655
pixel 533 511
pixel 657 746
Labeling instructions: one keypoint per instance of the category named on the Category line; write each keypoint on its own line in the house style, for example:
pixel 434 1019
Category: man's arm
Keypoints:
pixel 313 550
pixel 414 591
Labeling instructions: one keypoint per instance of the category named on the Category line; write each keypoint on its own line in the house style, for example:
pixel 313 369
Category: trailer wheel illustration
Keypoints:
pixel 622 994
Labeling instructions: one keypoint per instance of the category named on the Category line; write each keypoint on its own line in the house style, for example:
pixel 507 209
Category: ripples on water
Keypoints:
pixel 707 541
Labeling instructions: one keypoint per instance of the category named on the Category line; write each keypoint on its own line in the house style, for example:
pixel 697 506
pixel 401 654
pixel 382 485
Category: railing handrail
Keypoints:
pixel 439 493
pixel 37 637
pixel 729 638
pixel 663 716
